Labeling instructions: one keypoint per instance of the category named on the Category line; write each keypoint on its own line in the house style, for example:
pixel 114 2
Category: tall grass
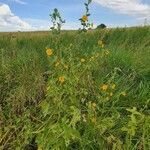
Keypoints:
pixel 86 110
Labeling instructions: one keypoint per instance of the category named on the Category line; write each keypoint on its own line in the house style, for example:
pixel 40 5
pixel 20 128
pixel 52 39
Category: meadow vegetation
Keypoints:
pixel 87 91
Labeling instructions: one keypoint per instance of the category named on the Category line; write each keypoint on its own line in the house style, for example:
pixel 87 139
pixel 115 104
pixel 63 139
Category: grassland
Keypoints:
pixel 82 97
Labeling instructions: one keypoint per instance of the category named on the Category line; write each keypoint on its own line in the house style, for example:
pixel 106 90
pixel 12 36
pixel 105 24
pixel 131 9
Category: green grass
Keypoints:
pixel 37 110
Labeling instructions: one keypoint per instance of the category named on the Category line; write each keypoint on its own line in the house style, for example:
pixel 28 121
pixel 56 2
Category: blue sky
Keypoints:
pixel 34 14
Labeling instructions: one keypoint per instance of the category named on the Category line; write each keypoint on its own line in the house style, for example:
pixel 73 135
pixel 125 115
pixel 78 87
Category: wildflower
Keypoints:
pixel 113 86
pixel 104 87
pixel 49 52
pixel 82 60
pixel 84 18
pixel 61 79
pixel 123 93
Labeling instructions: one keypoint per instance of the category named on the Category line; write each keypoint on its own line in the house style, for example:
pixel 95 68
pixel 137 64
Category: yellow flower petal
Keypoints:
pixel 61 79
pixel 104 87
pixel 84 18
pixel 49 52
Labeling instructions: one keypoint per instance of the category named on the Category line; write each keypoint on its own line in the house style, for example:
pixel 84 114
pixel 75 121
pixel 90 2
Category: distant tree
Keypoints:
pixel 101 26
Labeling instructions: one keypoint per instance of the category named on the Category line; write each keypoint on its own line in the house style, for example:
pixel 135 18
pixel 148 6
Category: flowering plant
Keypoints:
pixel 57 21
pixel 85 18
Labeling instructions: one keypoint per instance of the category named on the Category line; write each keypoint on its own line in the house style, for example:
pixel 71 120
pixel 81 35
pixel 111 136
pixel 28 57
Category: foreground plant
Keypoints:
pixel 57 21
pixel 93 99
pixel 85 18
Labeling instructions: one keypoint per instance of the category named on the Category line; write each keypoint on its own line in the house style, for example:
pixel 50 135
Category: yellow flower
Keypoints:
pixel 84 18
pixel 61 79
pixel 104 87
pixel 113 86
pixel 49 52
pixel 123 93
pixel 82 60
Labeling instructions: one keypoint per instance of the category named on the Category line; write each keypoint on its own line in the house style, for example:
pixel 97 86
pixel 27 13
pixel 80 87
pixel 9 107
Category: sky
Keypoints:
pixel 28 15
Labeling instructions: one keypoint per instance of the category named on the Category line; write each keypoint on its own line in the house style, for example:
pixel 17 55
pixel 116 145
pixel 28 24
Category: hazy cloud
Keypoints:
pixel 41 24
pixel 11 22
pixel 129 7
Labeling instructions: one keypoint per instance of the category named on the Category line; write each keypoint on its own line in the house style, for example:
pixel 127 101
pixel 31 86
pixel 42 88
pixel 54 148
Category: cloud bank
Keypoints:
pixel 128 7
pixel 11 22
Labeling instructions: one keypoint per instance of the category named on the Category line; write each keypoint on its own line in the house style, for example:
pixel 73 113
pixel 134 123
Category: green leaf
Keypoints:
pixel 85 4
pixel 44 107
pixel 134 111
pixel 89 1
pixel 76 116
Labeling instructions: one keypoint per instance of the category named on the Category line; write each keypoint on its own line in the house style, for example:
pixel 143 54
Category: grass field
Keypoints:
pixel 91 93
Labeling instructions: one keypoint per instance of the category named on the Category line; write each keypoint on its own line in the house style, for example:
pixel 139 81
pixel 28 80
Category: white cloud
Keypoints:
pixel 10 22
pixel 129 7
pixel 38 24
pixel 41 24
pixel 71 26
pixel 19 2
